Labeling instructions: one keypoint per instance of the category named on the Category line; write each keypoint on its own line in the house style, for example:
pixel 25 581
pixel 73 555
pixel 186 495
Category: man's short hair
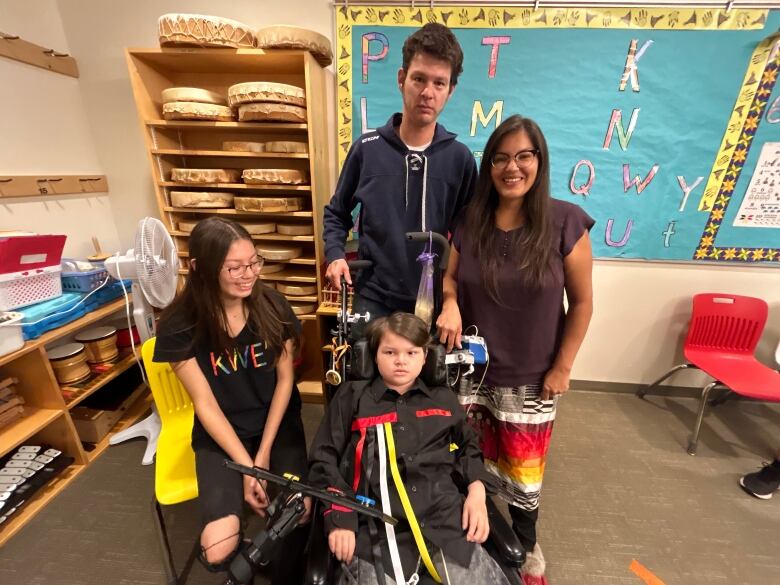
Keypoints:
pixel 438 41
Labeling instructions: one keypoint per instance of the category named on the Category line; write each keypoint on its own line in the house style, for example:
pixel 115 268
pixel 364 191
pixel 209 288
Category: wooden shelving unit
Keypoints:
pixel 47 418
pixel 134 412
pixel 289 214
pixel 227 154
pixel 197 144
pixel 34 420
pixel 238 187
pixel 94 384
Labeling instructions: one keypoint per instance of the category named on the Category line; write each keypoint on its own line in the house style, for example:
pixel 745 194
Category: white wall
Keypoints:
pixel 45 131
pixel 641 316
pixel 98 33
pixel 641 309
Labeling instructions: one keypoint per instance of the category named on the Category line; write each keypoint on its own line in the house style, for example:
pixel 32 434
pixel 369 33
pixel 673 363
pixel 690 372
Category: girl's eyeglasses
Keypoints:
pixel 523 158
pixel 240 271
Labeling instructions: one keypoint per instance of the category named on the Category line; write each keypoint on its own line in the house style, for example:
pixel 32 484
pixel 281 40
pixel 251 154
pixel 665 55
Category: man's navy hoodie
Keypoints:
pixel 399 190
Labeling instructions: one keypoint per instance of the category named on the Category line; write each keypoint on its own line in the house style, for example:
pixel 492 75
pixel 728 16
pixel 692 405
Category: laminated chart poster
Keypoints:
pixel 761 205
pixel 655 118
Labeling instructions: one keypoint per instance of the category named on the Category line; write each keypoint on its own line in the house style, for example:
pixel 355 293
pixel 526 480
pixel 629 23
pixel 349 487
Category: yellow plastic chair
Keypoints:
pixel 174 474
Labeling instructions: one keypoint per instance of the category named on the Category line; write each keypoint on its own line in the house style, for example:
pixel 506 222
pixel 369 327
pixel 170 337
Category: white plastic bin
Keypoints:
pixel 10 332
pixel 19 289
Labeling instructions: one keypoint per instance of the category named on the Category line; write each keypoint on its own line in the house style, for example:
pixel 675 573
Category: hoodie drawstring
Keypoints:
pixel 423 222
pixel 424 159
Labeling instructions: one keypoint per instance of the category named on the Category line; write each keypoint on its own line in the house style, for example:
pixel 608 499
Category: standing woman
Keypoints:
pixel 513 256
pixel 231 340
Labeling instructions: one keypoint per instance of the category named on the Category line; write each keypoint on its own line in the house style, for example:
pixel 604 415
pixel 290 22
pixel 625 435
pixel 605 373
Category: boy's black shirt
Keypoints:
pixel 427 422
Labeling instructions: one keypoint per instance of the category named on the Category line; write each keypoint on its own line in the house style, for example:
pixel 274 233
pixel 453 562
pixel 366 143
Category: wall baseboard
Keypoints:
pixel 631 388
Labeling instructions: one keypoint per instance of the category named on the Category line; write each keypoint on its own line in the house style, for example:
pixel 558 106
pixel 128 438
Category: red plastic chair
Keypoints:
pixel 722 336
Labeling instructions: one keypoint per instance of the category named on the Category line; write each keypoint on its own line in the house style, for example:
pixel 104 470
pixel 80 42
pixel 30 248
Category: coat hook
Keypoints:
pixel 8 180
pixel 536 5
pixel 89 178
pixel 7 37
pixel 729 5
pixel 53 53
pixel 57 180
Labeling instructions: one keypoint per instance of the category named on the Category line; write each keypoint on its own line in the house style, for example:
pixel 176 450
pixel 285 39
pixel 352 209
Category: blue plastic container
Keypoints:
pixel 83 281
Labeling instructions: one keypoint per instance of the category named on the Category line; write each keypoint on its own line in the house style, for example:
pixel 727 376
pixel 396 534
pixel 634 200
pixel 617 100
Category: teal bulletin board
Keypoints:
pixel 655 118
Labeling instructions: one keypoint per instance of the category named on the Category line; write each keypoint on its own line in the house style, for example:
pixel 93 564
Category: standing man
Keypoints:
pixel 409 175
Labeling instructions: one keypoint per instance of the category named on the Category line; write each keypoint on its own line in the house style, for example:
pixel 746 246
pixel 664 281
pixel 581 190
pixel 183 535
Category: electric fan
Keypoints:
pixel 153 267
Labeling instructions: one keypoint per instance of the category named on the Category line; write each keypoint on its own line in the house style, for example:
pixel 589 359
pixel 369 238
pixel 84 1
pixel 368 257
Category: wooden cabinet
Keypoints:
pixel 47 414
pixel 197 144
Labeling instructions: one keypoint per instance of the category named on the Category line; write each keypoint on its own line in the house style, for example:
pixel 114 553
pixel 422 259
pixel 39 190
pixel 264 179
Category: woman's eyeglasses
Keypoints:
pixel 523 158
pixel 240 271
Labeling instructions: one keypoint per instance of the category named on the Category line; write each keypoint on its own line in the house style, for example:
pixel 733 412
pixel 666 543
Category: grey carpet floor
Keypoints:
pixel 619 486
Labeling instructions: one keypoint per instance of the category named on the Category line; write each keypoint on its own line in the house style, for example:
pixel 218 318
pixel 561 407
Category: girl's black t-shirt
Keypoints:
pixel 242 379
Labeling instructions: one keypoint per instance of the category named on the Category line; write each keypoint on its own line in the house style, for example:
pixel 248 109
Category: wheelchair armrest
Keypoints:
pixel 503 538
pixel 319 566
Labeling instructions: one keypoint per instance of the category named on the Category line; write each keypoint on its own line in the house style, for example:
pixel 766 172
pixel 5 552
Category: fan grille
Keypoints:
pixel 156 262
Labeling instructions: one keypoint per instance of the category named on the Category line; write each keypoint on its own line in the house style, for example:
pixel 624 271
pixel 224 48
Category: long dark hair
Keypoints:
pixel 532 246
pixel 199 303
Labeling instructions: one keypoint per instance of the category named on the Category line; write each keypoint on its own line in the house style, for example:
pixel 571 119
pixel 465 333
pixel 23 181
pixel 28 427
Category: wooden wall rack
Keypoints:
pixel 18 49
pixel 50 185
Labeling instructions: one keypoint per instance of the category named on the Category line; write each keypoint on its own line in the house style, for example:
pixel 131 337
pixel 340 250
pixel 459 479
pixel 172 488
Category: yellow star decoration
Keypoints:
pixel 745 141
pixel 751 123
pixel 728 185
pixel 706 241
pixel 701 253
pixel 721 200
pixel 730 254
pixel 758 254
pixel 715 253
pixel 744 253
pixel 770 254
pixel 769 76
pixel 739 156
pixel 763 92
pixel 717 214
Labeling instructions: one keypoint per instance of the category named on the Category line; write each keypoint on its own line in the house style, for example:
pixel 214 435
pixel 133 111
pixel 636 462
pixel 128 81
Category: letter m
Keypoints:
pixel 478 114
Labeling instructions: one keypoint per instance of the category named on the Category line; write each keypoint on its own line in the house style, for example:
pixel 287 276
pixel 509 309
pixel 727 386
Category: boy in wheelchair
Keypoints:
pixel 406 447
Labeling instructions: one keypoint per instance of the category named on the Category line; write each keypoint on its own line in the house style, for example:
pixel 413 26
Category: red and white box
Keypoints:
pixel 29 269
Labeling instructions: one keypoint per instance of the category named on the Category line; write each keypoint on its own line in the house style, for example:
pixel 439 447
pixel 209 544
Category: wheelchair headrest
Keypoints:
pixel 363 367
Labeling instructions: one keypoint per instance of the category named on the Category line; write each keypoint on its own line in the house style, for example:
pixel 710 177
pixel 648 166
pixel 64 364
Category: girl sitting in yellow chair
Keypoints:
pixel 231 341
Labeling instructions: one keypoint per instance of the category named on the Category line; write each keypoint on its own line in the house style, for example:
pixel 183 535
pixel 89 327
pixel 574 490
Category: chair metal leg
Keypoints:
pixel 725 395
pixel 697 427
pixel 642 391
pixel 162 535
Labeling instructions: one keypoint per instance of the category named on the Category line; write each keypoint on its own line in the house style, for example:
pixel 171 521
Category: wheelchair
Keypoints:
pixel 502 543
